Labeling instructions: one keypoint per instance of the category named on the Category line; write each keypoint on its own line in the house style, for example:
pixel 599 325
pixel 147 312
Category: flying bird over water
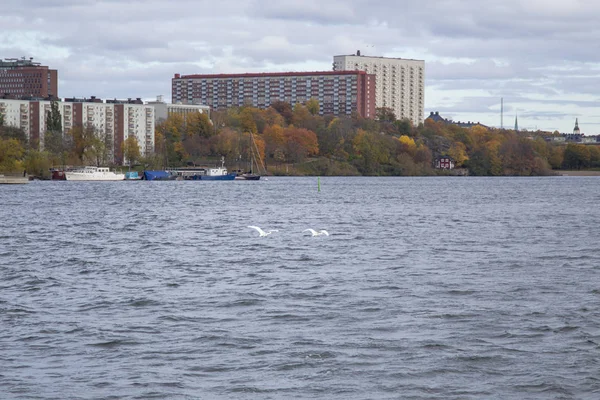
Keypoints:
pixel 261 232
pixel 317 233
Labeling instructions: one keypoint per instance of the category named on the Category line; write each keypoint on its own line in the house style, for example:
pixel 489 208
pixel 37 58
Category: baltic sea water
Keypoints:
pixel 426 288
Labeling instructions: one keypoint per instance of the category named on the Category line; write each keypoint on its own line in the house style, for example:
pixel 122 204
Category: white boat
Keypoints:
pixel 93 174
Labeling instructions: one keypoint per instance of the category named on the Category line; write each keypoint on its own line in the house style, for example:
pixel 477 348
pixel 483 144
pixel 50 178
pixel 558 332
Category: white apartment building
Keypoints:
pixel 140 123
pixel 114 120
pixel 16 113
pixel 399 83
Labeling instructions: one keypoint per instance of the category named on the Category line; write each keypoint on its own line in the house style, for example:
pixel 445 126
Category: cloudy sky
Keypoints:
pixel 541 56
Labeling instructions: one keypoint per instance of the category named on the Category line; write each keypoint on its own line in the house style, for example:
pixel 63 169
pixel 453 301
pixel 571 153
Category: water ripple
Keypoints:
pixel 427 288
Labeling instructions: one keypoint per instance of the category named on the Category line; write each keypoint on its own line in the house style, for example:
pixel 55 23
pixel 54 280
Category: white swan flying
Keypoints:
pixel 317 233
pixel 261 232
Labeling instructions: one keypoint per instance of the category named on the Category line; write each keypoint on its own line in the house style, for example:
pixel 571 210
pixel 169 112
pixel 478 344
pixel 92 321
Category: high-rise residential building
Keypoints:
pixel 400 83
pixel 113 120
pixel 24 79
pixel 338 93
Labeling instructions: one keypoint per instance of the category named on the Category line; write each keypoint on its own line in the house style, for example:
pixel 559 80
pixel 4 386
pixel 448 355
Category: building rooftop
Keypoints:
pixel 268 74
pixel 384 58
pixel 435 116
pixel 18 63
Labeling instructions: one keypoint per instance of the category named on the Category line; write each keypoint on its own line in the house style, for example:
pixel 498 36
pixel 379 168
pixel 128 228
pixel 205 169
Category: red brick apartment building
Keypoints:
pixel 338 92
pixel 22 78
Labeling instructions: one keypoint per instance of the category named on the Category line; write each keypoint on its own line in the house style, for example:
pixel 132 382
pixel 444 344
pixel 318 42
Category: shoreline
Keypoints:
pixel 578 173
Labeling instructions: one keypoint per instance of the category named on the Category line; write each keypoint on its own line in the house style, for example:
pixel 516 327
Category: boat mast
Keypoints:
pixel 255 148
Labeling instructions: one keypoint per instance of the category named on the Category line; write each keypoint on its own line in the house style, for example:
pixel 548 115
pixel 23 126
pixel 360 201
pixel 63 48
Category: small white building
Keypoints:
pixel 162 110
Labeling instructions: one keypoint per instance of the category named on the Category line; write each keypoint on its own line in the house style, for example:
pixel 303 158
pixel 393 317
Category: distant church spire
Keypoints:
pixel 576 129
pixel 516 123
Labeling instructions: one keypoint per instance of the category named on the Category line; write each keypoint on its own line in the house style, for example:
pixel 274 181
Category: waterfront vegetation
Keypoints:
pixel 297 141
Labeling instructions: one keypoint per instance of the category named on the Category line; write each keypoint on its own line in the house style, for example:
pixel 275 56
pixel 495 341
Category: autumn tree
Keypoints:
pixel 556 157
pixel 247 121
pixel 407 144
pixel 131 150
pixel 274 139
pixel 284 109
pixel 171 132
pixel 423 157
pixel 11 154
pixel 271 117
pixel 227 144
pixel 370 151
pixel 81 141
pixel 100 149
pixel 198 124
pixel 458 152
pixel 336 139
pixel 300 143
pixel 300 115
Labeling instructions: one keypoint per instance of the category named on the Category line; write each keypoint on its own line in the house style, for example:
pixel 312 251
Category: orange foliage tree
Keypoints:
pixel 300 143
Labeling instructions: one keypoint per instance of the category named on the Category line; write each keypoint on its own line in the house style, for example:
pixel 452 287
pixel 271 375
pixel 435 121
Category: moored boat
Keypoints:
pixel 205 174
pixel 246 176
pixel 93 174
pixel 158 175
pixel 255 164
pixel 132 176
pixel 58 174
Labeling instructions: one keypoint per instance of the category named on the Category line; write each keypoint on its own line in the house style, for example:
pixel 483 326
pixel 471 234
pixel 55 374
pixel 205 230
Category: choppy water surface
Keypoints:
pixel 426 288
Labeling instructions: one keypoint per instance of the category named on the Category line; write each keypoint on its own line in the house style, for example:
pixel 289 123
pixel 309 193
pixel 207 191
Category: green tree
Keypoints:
pixel 56 145
pixel 576 156
pixel 385 114
pixel 403 126
pixel 11 132
pixel 37 163
pixel 53 118
pixel 11 154
pixel 594 155
pixel 312 106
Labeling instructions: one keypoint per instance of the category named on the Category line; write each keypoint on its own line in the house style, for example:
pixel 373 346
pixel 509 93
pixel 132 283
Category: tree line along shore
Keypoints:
pixel 298 141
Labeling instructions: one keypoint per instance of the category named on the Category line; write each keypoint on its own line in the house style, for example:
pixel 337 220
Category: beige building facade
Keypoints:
pixel 162 110
pixel 399 82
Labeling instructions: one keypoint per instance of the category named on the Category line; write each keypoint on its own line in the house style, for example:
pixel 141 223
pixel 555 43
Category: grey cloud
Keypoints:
pixel 138 45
